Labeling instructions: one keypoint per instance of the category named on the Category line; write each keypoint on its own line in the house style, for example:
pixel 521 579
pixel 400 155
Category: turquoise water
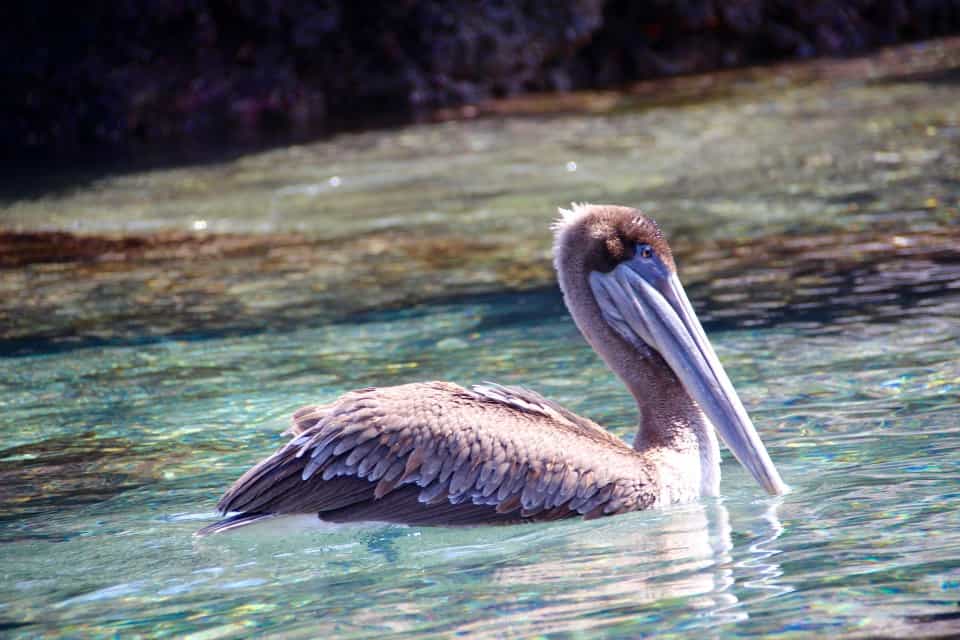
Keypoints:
pixel 816 224
pixel 863 425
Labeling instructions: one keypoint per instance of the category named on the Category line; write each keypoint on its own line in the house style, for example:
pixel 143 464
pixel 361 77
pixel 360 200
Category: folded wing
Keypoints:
pixel 439 454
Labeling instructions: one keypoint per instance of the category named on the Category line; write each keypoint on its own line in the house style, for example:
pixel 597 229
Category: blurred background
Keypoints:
pixel 94 75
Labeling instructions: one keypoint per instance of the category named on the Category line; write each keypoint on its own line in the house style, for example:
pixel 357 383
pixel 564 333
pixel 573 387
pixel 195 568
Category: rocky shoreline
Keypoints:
pixel 169 71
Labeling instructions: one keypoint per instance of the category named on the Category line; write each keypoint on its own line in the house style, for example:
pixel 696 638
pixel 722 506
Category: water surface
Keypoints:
pixel 816 222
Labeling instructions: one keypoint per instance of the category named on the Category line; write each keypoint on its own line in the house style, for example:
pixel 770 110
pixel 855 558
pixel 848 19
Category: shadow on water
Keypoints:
pixel 29 175
pixel 949 76
pixel 52 475
pixel 33 175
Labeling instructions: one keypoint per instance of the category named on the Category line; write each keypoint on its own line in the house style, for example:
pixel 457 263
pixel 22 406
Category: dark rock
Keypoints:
pixel 78 75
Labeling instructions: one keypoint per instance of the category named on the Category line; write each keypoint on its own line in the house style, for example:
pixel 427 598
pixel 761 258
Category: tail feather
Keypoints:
pixel 234 522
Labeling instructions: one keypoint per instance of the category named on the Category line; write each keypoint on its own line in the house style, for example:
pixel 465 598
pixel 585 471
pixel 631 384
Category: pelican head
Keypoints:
pixel 620 283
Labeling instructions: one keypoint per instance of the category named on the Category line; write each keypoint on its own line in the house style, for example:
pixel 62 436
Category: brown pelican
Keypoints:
pixel 435 453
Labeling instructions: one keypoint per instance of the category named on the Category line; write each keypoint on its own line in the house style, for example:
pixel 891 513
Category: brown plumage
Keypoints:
pixel 438 454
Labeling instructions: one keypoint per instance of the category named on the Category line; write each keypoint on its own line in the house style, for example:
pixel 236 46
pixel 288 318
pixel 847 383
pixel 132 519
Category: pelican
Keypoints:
pixel 436 453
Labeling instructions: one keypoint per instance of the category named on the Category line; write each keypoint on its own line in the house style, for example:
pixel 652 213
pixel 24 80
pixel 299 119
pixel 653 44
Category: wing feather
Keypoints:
pixel 436 453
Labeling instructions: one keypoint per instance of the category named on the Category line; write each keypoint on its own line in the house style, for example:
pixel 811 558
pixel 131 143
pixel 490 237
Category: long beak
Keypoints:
pixel 665 321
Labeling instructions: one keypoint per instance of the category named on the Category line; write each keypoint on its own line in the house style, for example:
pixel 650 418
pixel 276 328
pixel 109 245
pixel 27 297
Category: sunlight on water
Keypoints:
pixel 131 446
pixel 825 154
pixel 817 226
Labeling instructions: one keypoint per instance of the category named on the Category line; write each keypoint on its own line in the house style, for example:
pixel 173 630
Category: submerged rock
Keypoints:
pixel 87 290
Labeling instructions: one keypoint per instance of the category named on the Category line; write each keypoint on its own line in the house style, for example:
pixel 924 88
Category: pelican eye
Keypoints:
pixel 645 251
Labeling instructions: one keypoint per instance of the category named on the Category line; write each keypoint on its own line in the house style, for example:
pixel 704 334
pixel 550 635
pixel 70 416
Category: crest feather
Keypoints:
pixel 569 216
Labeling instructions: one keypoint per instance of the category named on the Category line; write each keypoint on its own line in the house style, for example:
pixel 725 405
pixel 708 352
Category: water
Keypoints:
pixel 133 390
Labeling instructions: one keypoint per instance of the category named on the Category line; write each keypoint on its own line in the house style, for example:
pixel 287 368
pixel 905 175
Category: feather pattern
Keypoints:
pixel 438 454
